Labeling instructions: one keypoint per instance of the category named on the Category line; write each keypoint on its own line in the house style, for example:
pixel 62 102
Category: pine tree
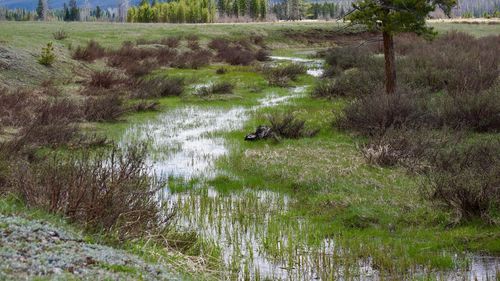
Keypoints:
pixel 73 10
pixel 39 9
pixel 394 16
pixel 67 16
pixel 97 12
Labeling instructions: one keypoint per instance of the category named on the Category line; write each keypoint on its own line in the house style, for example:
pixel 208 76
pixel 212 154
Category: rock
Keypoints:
pixel 262 132
pixel 29 251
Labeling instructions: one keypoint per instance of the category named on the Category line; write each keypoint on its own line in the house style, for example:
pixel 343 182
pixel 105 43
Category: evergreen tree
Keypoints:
pixel 67 16
pixel 74 12
pixel 393 16
pixel 98 12
pixel 39 9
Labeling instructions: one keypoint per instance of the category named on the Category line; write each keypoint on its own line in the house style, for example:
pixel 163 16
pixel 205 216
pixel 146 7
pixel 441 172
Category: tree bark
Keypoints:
pixel 390 63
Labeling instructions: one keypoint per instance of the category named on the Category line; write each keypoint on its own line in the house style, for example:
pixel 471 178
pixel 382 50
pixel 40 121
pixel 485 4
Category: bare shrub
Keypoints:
pixel 262 55
pixel 373 115
pixel 17 106
pixel 166 56
pixel 103 108
pixel 193 45
pixel 160 87
pixel 479 111
pixel 286 125
pixel 235 53
pixel 218 44
pixel 466 179
pixel 103 190
pixel 193 59
pixel 409 148
pixel 347 57
pixel 192 37
pixel 89 53
pixel 456 62
pixel 128 55
pixel 52 123
pixel 103 79
pixel 350 83
pixel 237 56
pixel 221 88
pixel 137 69
pixel 281 75
pixel 171 42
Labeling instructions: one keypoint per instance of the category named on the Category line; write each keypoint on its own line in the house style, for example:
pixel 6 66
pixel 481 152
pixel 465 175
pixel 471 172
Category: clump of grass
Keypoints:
pixel 287 125
pixel 160 87
pixel 282 75
pixel 60 35
pixel 218 88
pixel 89 53
pixel 221 70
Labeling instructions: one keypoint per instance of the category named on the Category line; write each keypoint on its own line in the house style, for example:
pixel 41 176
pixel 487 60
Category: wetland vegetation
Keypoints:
pixel 135 134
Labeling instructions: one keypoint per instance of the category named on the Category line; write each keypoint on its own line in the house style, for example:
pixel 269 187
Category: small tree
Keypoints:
pixel 47 57
pixel 394 16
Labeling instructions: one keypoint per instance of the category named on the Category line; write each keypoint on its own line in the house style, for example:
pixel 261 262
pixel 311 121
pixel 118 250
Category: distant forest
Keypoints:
pixel 205 11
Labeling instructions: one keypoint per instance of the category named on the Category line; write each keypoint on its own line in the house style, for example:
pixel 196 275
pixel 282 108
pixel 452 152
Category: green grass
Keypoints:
pixel 375 212
pixel 478 30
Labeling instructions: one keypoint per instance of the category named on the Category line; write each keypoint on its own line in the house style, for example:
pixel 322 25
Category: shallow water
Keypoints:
pixel 183 142
pixel 251 227
pixel 314 66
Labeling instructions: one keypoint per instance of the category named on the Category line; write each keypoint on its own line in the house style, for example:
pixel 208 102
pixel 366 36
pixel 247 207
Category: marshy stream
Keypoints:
pixel 257 237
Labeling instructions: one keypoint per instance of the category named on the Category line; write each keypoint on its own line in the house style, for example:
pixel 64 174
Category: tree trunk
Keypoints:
pixel 390 63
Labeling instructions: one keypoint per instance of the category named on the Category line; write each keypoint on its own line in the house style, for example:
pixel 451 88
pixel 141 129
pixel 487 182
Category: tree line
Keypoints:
pixel 196 11
pixel 180 11
pixel 298 10
pixel 206 11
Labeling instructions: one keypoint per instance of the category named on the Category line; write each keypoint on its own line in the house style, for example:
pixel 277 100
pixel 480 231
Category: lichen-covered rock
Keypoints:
pixel 32 248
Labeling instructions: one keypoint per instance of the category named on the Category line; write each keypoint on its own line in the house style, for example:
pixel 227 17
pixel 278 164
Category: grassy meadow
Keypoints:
pixel 277 209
